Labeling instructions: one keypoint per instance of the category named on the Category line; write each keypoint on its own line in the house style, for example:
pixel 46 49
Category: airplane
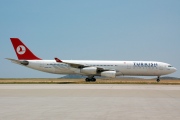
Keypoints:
pixel 89 68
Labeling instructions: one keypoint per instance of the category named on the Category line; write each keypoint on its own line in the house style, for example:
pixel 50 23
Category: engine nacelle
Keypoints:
pixel 89 70
pixel 111 74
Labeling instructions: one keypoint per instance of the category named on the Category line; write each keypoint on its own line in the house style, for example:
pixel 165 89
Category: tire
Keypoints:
pixel 87 80
pixel 158 80
pixel 93 80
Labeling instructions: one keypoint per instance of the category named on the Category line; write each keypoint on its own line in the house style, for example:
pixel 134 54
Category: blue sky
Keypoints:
pixel 90 30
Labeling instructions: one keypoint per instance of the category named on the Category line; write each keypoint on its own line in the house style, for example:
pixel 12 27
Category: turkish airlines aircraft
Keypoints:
pixel 89 68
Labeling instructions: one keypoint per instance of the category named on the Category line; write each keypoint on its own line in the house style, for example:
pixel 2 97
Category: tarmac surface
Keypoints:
pixel 89 102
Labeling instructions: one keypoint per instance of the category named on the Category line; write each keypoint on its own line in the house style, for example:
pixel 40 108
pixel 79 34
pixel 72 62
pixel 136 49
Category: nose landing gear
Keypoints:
pixel 158 79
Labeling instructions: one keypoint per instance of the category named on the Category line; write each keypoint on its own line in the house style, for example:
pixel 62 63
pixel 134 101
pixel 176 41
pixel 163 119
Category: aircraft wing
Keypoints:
pixel 75 65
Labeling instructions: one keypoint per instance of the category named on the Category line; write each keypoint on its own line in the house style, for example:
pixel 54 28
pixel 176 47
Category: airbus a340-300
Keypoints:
pixel 89 68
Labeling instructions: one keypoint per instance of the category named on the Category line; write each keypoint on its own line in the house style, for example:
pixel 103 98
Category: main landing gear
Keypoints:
pixel 158 79
pixel 90 79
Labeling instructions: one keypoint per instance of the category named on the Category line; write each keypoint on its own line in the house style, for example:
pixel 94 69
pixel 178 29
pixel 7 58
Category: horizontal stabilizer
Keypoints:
pixel 14 61
pixel 20 62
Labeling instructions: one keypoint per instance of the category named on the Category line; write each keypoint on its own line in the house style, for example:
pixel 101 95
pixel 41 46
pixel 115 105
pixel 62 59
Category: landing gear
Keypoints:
pixel 93 80
pixel 158 79
pixel 90 79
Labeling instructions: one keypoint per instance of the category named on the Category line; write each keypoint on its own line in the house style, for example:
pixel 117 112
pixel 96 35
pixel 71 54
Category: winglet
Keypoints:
pixel 57 59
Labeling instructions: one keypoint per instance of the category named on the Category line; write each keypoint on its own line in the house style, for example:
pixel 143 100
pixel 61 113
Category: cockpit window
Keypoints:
pixel 170 66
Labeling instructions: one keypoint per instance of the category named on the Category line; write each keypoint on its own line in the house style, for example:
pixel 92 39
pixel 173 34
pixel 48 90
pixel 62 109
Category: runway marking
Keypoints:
pixel 87 86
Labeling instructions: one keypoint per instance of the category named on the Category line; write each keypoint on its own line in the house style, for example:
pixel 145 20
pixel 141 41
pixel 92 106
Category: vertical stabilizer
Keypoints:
pixel 22 52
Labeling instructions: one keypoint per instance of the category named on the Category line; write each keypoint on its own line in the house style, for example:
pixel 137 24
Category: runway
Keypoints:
pixel 89 102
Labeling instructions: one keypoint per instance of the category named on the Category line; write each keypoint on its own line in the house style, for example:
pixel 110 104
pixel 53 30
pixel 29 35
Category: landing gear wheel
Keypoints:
pixel 87 80
pixel 93 79
pixel 90 79
pixel 158 79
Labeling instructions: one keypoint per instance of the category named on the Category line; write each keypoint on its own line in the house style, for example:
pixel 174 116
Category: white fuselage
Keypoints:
pixel 133 68
pixel 89 68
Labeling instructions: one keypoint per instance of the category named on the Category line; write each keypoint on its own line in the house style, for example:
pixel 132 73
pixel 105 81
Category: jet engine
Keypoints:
pixel 111 74
pixel 89 70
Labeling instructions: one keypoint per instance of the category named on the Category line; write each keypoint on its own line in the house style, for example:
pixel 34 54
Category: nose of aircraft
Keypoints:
pixel 174 69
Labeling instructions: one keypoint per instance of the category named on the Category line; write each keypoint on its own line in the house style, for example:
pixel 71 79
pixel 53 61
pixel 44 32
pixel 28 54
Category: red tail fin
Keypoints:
pixel 22 52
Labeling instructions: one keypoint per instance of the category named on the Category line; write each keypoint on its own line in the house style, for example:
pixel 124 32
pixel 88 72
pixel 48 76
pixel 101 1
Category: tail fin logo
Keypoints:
pixel 20 49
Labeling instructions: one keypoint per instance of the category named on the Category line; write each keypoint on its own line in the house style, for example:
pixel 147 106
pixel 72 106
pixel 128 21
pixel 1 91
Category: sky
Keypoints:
pixel 90 30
